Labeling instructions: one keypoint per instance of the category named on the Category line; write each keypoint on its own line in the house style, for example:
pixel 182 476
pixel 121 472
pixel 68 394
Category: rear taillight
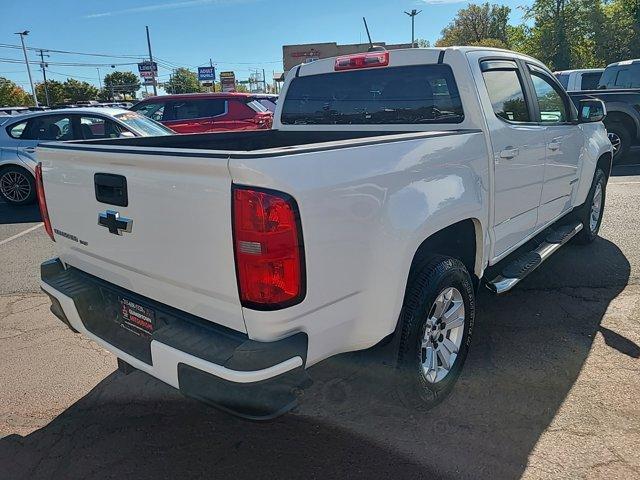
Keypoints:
pixel 268 248
pixel 42 202
pixel 362 60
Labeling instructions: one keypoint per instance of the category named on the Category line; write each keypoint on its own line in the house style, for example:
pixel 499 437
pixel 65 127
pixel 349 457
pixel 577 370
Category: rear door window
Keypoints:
pixel 48 127
pixel 417 94
pixel 589 81
pixel 205 108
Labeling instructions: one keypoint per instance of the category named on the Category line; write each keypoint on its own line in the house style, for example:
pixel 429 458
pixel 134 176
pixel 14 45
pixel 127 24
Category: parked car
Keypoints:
pixel 20 134
pixel 583 79
pixel 619 89
pixel 206 112
pixel 268 100
pixel 226 264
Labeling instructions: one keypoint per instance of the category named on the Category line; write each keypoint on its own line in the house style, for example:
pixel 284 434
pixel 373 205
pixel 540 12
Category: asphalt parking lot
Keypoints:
pixel 550 388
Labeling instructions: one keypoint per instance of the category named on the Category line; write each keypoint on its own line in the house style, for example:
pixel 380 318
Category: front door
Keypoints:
pixel 563 144
pixel 518 144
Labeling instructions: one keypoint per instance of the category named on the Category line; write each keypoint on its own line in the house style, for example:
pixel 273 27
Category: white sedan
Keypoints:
pixel 20 134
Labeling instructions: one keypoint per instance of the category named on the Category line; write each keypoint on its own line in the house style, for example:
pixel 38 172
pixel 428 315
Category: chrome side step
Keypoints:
pixel 527 263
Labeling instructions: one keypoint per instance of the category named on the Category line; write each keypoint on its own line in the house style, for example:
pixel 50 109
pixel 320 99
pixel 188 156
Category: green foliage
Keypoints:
pixel 183 80
pixel 76 91
pixel 12 95
pixel 422 43
pixel 56 92
pixel 477 25
pixel 563 34
pixel 120 82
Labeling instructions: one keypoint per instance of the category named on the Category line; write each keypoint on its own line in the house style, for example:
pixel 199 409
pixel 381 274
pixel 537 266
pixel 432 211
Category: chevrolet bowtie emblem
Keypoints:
pixel 114 222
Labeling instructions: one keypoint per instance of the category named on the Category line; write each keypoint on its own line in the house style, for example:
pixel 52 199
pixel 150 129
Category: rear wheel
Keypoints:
pixel 17 186
pixel 590 213
pixel 436 325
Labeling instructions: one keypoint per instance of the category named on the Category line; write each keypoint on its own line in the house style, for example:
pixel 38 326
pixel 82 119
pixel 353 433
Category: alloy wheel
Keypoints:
pixel 15 186
pixel 596 208
pixel 614 138
pixel 442 335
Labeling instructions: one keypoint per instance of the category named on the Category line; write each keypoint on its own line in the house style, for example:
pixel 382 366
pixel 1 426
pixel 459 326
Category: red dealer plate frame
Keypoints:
pixel 136 318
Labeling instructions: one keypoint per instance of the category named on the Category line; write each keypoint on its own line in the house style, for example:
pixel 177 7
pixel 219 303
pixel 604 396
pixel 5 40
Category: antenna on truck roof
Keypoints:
pixel 372 47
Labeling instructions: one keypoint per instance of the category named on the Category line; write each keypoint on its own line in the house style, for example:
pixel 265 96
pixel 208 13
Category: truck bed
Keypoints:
pixel 260 142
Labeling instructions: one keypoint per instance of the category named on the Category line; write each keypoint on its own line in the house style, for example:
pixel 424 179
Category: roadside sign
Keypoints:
pixel 206 73
pixel 148 80
pixel 148 69
pixel 228 81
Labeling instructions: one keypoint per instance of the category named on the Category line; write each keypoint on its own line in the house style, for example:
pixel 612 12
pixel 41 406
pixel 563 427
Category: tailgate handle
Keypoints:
pixel 111 189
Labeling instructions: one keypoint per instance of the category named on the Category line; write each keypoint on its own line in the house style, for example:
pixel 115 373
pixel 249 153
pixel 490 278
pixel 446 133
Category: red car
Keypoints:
pixel 206 112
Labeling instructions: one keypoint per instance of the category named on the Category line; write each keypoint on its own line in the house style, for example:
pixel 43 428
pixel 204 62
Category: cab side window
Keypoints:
pixel 551 102
pixel 506 91
pixel 155 111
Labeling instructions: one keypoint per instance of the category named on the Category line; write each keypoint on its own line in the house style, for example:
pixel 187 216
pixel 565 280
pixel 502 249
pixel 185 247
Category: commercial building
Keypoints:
pixel 293 55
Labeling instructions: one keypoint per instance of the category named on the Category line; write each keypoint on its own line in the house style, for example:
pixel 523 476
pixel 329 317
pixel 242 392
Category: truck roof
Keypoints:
pixel 624 62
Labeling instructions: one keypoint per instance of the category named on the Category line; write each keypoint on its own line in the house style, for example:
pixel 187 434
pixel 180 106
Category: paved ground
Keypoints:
pixel 550 389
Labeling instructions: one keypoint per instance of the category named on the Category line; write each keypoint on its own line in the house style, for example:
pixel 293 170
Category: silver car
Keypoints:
pixel 20 134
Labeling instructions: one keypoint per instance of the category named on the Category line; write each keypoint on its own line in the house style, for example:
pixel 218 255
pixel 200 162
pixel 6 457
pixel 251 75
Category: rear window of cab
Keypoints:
pixel 416 94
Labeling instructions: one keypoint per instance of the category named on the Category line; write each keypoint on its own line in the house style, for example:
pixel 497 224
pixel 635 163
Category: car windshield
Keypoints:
pixel 143 125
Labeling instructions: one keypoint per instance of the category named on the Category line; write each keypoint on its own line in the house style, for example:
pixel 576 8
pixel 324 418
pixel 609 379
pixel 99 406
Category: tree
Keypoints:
pixel 183 81
pixel 121 82
pixel 477 25
pixel 422 43
pixel 13 95
pixel 76 91
pixel 56 91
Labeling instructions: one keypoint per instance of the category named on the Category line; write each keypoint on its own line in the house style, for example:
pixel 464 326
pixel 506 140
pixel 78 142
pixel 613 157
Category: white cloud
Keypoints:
pixel 163 6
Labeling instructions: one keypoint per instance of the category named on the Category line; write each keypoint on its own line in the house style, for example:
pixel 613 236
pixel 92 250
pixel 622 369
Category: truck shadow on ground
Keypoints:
pixel 18 214
pixel 527 352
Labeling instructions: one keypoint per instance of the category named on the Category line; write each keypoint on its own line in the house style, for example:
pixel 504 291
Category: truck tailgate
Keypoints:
pixel 179 250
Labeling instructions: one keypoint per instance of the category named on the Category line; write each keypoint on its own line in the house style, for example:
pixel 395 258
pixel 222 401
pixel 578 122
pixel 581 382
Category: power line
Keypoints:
pixel 8 45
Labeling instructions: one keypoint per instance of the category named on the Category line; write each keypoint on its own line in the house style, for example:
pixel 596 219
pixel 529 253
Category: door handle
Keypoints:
pixel 29 149
pixel 553 146
pixel 509 152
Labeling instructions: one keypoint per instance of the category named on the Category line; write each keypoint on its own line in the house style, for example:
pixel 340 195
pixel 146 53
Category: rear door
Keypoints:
pixel 518 144
pixel 179 249
pixel 564 140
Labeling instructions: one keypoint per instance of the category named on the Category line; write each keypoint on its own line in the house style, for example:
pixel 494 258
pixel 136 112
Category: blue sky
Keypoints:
pixel 237 34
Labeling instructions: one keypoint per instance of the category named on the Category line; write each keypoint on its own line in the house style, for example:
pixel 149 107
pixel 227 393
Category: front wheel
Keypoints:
pixel 436 326
pixel 590 213
pixel 620 139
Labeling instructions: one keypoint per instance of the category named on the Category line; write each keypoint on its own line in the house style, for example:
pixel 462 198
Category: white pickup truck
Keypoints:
pixel 392 186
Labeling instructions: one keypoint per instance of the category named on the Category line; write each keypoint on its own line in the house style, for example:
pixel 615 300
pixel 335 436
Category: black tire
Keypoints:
pixel 12 176
pixel 439 273
pixel 617 131
pixel 590 230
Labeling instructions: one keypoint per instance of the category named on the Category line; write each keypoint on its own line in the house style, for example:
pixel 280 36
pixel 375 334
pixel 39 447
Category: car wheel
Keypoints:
pixel 620 139
pixel 17 186
pixel 436 326
pixel 590 213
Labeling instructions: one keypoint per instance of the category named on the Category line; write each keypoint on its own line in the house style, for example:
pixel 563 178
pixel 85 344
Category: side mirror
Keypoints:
pixel 126 134
pixel 591 110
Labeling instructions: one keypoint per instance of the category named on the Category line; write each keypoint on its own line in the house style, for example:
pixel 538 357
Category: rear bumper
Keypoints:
pixel 222 367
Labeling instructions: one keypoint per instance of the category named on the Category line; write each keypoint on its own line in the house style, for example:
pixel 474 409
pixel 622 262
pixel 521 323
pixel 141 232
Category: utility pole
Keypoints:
pixel 413 14
pixel 99 78
pixel 264 82
pixel 213 84
pixel 26 61
pixel 155 91
pixel 44 75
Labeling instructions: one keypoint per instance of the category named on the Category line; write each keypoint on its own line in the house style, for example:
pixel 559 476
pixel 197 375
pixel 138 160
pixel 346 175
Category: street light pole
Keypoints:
pixel 155 91
pixel 44 75
pixel 99 78
pixel 413 14
pixel 26 61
